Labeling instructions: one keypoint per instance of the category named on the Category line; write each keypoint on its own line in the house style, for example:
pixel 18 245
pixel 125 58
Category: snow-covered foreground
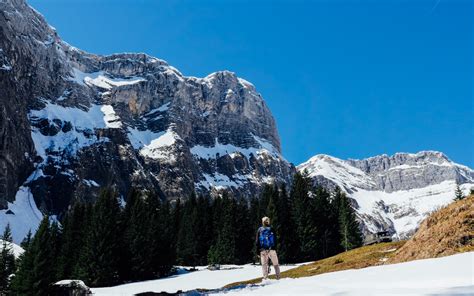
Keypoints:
pixel 201 279
pixel 453 275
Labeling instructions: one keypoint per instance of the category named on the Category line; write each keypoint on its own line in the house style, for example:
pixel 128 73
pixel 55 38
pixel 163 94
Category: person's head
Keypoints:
pixel 266 221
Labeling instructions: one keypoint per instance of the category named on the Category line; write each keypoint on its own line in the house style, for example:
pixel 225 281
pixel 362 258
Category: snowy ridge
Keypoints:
pixel 337 170
pixel 393 193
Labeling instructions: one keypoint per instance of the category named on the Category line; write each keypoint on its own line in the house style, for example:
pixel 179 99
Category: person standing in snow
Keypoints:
pixel 265 242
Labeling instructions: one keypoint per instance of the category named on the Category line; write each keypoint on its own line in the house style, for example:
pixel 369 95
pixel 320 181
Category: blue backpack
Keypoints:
pixel 266 238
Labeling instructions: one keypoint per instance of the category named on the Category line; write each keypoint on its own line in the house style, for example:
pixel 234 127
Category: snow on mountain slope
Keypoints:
pixel 22 215
pixel 16 249
pixel 393 193
pixel 405 209
pixel 338 171
pixel 453 275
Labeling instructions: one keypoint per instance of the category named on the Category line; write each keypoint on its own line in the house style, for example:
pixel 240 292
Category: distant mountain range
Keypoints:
pixel 72 122
pixel 392 193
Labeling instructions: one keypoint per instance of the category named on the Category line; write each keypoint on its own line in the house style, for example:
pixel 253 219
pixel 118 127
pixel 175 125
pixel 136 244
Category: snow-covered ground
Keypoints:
pixel 453 275
pixel 185 281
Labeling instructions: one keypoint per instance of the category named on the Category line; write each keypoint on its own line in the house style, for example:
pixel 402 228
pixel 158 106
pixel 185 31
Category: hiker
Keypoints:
pixel 265 242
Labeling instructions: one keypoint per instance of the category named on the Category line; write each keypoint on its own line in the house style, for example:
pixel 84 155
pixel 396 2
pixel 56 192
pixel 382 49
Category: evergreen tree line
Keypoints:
pixel 104 244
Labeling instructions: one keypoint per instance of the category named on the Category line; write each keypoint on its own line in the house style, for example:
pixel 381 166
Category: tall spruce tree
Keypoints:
pixel 22 281
pixel 223 249
pixel 102 248
pixel 177 215
pixel 244 234
pixel 255 222
pixel 36 270
pixel 304 216
pixel 327 221
pixel 55 242
pixel 163 236
pixel 7 261
pixel 80 269
pixel 204 229
pixel 25 243
pixel 138 236
pixel 349 230
pixel 187 242
pixel 74 227
pixel 287 246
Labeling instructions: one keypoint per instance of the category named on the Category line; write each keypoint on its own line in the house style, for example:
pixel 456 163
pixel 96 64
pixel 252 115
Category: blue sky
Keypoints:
pixel 347 78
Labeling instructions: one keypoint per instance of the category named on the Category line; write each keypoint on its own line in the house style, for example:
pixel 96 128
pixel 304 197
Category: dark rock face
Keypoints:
pixel 72 122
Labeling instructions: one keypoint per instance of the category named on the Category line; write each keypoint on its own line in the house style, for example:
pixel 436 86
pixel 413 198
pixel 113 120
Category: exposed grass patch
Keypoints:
pixel 354 259
pixel 447 231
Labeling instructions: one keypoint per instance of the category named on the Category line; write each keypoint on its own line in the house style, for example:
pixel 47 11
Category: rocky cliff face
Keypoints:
pixel 73 122
pixel 392 193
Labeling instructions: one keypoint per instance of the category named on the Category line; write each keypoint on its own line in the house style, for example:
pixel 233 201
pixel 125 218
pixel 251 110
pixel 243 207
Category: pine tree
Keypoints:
pixel 458 194
pixel 273 212
pixel 348 226
pixel 162 230
pixel 80 267
pixel 244 234
pixel 255 222
pixel 22 282
pixel 287 246
pixel 36 271
pixel 55 242
pixel 204 229
pixel 25 243
pixel 101 255
pixel 304 215
pixel 176 214
pixel 224 248
pixel 186 245
pixel 74 233
pixel 138 236
pixel 326 219
pixel 7 261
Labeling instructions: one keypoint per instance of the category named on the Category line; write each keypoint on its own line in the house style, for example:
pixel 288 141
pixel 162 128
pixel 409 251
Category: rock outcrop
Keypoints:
pixel 73 122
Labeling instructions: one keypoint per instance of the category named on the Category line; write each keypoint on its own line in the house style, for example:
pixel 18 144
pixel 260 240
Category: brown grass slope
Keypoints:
pixel 448 231
pixel 354 259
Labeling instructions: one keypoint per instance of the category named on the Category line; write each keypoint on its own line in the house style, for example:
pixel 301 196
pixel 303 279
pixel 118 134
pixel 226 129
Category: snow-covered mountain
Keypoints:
pixel 72 122
pixel 147 119
pixel 392 193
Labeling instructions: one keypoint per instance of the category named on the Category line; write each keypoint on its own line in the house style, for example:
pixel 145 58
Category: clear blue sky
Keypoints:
pixel 347 78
